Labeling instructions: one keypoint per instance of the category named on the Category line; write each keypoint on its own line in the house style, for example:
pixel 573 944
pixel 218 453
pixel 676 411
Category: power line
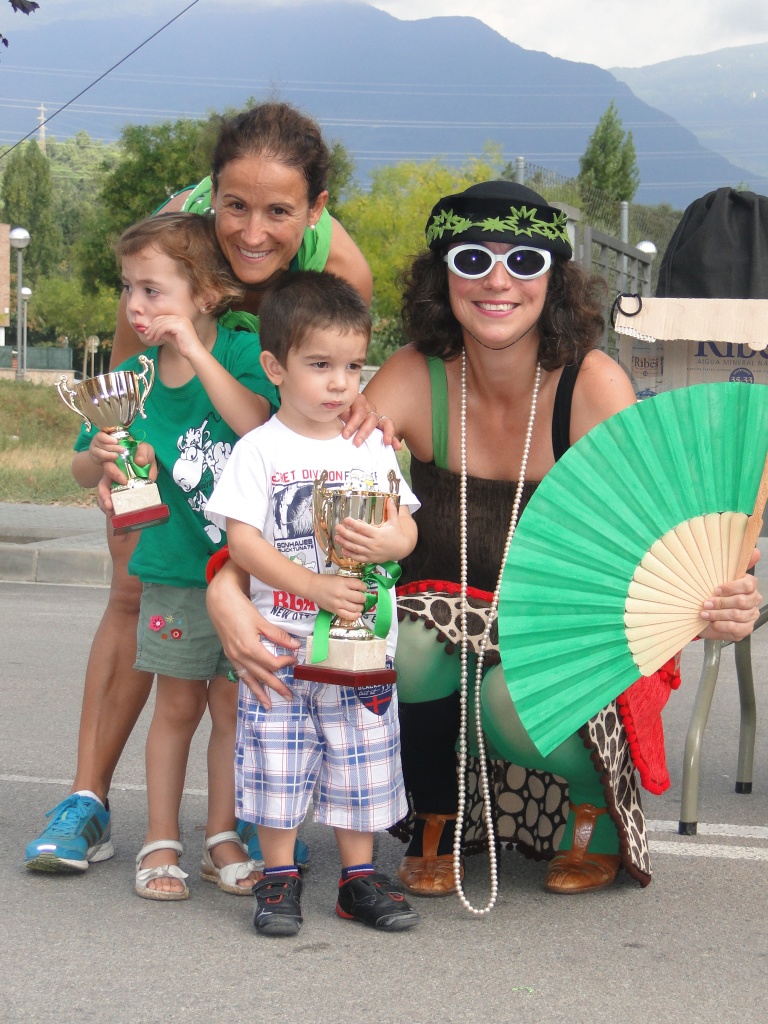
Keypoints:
pixel 97 80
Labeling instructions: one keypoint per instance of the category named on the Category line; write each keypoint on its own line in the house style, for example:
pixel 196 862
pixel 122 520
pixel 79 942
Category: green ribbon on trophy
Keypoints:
pixel 126 463
pixel 383 583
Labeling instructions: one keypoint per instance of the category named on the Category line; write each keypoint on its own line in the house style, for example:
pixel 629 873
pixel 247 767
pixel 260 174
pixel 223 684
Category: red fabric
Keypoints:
pixel 640 708
pixel 215 562
pixel 442 586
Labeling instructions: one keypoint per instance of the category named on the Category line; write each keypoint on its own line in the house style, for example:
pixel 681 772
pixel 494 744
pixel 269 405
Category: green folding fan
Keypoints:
pixel 620 545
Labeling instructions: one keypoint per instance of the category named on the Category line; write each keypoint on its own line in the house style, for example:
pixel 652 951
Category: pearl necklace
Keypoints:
pixel 492 612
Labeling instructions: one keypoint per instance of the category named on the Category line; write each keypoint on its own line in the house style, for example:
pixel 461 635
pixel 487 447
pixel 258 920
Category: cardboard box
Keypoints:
pixel 698 341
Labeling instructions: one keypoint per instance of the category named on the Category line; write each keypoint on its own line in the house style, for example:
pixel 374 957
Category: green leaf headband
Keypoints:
pixel 498 211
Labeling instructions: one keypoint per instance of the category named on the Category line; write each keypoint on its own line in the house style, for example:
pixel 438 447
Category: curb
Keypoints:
pixel 53 544
pixel 50 562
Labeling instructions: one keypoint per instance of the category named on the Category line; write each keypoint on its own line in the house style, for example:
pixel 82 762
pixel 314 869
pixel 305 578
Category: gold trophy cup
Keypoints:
pixel 356 657
pixel 111 402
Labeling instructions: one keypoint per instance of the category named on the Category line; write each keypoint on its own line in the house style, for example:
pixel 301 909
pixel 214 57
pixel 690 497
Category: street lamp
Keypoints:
pixel 26 295
pixel 647 247
pixel 91 348
pixel 19 238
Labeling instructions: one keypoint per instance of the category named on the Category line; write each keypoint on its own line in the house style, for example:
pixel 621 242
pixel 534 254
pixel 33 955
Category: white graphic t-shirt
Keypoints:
pixel 268 483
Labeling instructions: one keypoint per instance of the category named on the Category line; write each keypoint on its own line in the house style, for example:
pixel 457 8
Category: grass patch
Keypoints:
pixel 37 432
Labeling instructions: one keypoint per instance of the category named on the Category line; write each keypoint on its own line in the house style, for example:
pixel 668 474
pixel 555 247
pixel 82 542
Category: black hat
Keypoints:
pixel 498 211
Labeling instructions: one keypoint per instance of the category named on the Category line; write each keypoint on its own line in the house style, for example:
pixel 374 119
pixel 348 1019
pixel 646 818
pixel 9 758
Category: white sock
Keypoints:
pixel 88 792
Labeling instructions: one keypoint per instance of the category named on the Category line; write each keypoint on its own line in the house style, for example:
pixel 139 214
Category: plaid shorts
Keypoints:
pixel 336 744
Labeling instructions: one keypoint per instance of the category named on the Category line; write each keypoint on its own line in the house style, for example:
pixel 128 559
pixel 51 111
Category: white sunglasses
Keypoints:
pixel 473 260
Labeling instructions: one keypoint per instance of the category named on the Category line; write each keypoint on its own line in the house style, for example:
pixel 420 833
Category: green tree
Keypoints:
pixel 27 191
pixel 154 162
pixel 151 163
pixel 609 162
pixel 78 165
pixel 341 177
pixel 63 308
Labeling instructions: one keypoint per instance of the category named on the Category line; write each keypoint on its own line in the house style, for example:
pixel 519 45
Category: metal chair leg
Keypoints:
pixel 748 719
pixel 689 803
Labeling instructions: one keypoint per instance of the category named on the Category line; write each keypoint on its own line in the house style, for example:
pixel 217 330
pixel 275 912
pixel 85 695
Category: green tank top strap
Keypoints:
pixel 199 199
pixel 238 320
pixel 192 189
pixel 316 246
pixel 438 383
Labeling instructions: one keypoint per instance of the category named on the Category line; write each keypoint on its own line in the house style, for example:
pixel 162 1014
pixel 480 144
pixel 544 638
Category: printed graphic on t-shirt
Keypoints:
pixel 196 471
pixel 294 532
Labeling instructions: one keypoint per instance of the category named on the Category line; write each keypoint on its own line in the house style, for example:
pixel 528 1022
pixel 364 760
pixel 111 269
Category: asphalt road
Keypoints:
pixel 690 947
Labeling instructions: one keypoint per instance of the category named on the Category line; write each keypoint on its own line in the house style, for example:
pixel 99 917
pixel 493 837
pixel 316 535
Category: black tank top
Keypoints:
pixel 489 505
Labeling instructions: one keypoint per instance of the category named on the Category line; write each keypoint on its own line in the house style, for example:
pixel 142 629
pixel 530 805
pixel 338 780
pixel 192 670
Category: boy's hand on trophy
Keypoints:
pixel 375 544
pixel 341 595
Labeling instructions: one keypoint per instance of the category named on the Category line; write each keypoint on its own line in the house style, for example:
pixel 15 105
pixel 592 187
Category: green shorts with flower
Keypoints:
pixel 176 636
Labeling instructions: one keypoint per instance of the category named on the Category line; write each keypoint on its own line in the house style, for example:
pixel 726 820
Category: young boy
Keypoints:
pixel 340 743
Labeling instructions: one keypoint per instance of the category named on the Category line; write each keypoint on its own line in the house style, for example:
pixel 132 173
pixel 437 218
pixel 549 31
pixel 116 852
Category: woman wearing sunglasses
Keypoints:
pixel 500 377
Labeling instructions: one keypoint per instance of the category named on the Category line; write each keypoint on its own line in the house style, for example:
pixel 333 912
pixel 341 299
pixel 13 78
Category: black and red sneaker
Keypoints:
pixel 377 902
pixel 278 905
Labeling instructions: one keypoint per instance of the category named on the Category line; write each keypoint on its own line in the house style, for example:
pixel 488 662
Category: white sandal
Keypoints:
pixel 161 871
pixel 227 877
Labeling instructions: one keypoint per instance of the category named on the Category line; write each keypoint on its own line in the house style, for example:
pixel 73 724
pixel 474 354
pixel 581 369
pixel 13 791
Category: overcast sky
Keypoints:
pixel 609 33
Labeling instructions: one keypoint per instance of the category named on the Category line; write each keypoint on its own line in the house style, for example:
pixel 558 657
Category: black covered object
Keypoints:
pixel 719 249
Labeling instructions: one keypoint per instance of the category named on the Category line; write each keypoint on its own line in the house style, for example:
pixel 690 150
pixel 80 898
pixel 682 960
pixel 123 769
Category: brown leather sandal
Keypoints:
pixel 577 870
pixel 430 874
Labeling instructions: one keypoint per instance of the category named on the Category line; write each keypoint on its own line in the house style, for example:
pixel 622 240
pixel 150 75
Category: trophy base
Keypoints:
pixel 339 677
pixel 349 663
pixel 137 506
pixel 130 521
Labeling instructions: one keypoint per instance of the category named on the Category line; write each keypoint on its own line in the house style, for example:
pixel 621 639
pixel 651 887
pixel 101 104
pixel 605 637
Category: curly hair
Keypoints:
pixel 571 322
pixel 276 131
pixel 190 241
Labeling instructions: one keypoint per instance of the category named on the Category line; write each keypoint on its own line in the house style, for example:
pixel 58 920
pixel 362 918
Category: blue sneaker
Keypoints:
pixel 77 834
pixel 247 832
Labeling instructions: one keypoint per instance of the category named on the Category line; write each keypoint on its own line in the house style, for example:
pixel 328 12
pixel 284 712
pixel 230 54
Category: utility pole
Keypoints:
pixel 41 119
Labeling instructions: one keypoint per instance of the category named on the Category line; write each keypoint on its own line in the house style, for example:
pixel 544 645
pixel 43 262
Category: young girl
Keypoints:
pixel 208 390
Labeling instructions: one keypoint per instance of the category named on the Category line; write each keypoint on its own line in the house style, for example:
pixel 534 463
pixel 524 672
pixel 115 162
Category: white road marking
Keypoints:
pixel 35 780
pixel 704 829
pixel 685 846
pixel 684 849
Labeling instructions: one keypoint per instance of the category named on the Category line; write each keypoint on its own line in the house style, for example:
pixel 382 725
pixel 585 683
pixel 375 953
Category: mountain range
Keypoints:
pixel 388 89
pixel 722 97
